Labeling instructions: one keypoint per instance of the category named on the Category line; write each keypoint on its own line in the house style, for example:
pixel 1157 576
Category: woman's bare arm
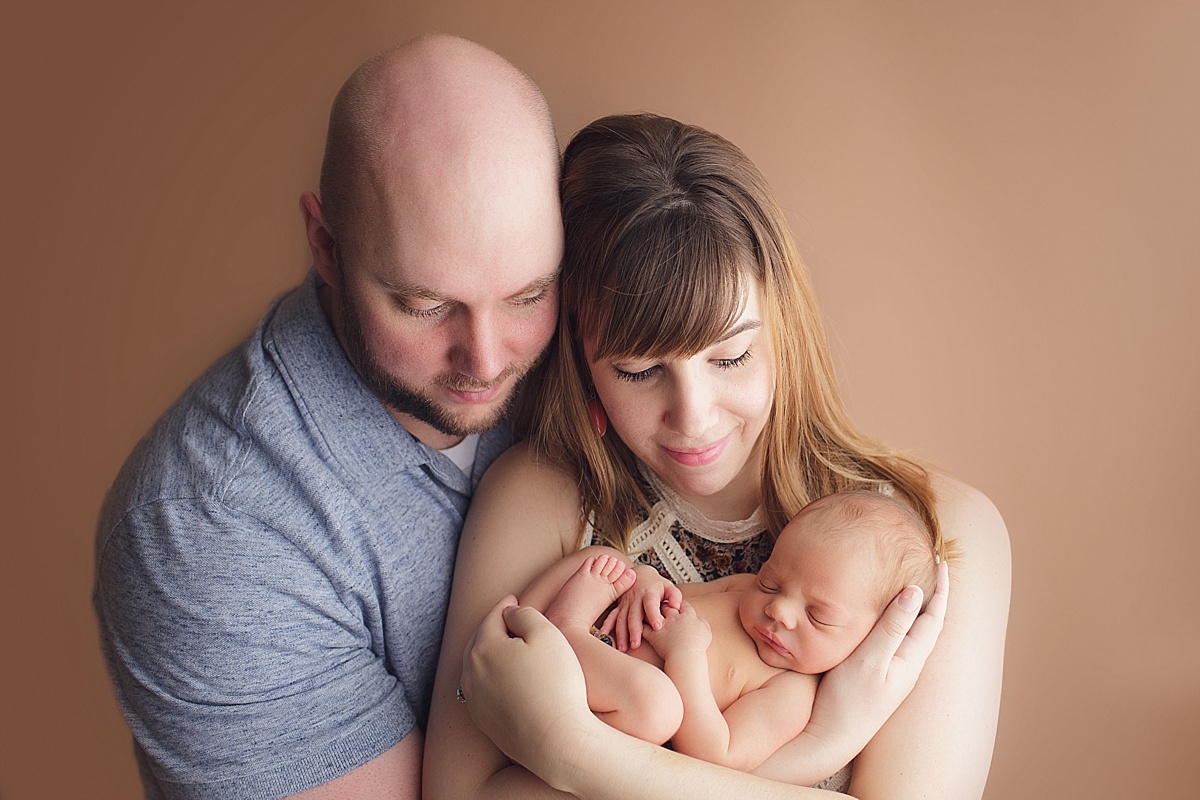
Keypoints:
pixel 523 519
pixel 530 696
pixel 526 689
pixel 939 742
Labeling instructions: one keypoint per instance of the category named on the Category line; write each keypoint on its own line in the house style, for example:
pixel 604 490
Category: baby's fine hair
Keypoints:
pixel 901 538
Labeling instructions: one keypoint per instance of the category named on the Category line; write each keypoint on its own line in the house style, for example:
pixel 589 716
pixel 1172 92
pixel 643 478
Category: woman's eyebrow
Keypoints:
pixel 741 327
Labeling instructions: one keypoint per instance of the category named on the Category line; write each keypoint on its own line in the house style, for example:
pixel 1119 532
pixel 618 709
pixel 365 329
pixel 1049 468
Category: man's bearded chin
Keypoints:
pixel 412 401
pixel 418 405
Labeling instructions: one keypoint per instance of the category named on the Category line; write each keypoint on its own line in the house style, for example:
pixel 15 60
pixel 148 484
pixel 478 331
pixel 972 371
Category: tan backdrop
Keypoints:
pixel 1000 203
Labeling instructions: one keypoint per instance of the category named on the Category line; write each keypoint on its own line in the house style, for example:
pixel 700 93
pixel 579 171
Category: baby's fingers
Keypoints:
pixel 672 597
pixel 610 621
pixel 633 627
pixel 652 611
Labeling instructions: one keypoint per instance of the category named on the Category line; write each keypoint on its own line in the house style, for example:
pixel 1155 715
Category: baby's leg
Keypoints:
pixel 599 581
pixel 627 693
pixel 541 593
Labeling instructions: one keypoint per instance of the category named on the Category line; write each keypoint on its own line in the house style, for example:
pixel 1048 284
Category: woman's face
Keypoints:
pixel 697 421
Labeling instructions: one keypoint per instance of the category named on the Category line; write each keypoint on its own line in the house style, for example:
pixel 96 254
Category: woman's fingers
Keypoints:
pixel 902 635
pixel 922 635
pixel 857 696
pixel 522 683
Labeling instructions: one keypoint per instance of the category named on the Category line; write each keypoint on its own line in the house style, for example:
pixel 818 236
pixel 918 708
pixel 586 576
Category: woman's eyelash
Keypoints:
pixel 634 377
pixel 729 363
pixel 721 363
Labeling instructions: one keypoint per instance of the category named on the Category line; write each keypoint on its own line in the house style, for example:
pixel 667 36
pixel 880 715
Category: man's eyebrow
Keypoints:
pixel 425 293
pixel 539 285
pixel 411 290
pixel 741 327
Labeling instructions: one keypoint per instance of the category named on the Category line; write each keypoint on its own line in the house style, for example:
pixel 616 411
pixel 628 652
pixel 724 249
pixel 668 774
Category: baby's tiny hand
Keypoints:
pixel 640 606
pixel 682 630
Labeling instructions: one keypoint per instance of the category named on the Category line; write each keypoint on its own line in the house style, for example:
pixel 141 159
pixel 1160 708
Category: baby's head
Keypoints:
pixel 834 570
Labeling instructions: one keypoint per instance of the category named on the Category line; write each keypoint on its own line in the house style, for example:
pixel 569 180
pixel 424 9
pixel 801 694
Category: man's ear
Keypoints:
pixel 320 240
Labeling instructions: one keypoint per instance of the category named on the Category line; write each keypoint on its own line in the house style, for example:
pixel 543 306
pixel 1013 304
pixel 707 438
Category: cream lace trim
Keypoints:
pixel 694 521
pixel 655 532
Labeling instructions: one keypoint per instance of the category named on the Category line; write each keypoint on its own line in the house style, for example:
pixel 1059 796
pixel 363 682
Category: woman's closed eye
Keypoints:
pixel 730 363
pixel 635 376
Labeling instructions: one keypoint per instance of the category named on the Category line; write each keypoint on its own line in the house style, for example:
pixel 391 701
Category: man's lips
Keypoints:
pixel 474 397
pixel 698 456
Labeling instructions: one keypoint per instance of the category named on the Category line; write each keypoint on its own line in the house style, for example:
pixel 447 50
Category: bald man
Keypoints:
pixel 274 559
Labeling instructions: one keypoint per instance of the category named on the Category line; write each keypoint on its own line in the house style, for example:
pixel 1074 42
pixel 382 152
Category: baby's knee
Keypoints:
pixel 656 709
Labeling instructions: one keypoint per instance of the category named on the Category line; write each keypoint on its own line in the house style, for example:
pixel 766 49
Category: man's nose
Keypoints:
pixel 478 351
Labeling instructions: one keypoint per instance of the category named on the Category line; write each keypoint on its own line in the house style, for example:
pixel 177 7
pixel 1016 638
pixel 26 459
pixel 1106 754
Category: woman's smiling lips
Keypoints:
pixel 698 456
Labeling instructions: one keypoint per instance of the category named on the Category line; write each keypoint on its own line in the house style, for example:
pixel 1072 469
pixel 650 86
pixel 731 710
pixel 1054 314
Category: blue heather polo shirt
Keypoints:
pixel 273 570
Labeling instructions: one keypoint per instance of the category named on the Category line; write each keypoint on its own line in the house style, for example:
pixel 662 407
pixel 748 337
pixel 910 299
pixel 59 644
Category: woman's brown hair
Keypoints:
pixel 664 224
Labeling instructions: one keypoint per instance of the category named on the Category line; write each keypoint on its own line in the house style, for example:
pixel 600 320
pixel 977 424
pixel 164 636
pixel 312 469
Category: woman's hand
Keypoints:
pixel 641 605
pixel 524 688
pixel 855 698
pixel 872 682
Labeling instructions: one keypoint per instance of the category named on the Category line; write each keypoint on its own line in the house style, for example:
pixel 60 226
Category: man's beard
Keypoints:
pixel 411 401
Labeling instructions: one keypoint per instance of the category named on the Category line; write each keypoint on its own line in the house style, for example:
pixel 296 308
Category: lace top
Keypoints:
pixel 687 547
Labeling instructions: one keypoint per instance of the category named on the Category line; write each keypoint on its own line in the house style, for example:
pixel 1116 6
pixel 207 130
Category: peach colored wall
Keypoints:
pixel 1000 203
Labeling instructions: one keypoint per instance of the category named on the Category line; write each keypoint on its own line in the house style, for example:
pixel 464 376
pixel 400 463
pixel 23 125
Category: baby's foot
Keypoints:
pixel 595 585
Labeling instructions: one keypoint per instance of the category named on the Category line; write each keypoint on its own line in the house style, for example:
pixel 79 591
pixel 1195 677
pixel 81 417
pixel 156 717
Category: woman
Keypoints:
pixel 687 410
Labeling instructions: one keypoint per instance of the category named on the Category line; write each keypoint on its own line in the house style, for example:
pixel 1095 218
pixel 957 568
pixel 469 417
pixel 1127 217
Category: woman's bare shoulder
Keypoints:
pixel 969 517
pixel 520 486
pixel 521 463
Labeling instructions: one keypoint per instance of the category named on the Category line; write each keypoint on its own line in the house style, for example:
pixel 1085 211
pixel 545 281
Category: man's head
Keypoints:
pixel 438 231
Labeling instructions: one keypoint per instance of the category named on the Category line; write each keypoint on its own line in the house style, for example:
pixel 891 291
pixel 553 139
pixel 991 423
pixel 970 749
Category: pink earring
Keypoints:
pixel 599 420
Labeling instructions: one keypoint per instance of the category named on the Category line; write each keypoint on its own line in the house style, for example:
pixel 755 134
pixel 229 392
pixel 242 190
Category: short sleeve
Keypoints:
pixel 245 668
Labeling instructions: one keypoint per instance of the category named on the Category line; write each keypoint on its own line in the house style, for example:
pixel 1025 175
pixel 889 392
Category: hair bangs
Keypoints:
pixel 673 285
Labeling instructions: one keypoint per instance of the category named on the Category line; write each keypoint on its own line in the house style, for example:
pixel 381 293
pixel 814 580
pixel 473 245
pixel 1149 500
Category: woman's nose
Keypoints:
pixel 692 412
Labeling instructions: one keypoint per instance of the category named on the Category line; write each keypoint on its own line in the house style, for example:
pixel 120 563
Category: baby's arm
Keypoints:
pixel 751 728
pixel 764 720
